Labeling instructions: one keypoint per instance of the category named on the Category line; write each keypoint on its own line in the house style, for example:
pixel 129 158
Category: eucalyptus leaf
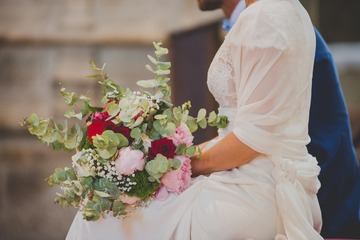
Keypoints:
pixel 190 151
pixel 102 194
pixel 135 133
pixel 160 117
pixel 175 163
pixel 170 129
pixel 50 136
pixel 62 130
pixel 180 149
pixel 152 59
pixel 70 113
pixel 148 67
pixel 154 134
pixel 70 174
pixel 137 122
pixel 212 117
pixel 161 52
pixel 118 208
pixel 74 137
pixel 157 167
pixel 201 114
pixel 151 83
pixel 164 65
pixel 192 124
pixel 222 121
pixel 161 72
pixel 157 125
pixel 37 126
pixel 202 124
pixel 112 108
pixel 70 98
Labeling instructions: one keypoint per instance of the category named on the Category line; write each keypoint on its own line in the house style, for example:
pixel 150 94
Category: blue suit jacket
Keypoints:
pixel 331 144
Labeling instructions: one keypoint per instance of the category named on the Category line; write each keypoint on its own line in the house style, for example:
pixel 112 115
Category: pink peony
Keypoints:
pixel 129 161
pixel 162 193
pixel 182 135
pixel 128 199
pixel 178 180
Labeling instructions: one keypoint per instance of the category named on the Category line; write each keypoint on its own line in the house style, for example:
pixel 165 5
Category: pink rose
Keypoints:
pixel 162 193
pixel 128 199
pixel 178 180
pixel 182 135
pixel 129 161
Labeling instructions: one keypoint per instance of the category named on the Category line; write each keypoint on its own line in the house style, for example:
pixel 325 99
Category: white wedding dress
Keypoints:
pixel 261 77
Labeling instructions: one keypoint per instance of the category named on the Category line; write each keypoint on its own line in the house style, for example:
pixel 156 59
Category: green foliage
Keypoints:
pixel 110 90
pixel 95 207
pixel 57 135
pixel 70 98
pixel 106 189
pixel 144 188
pixel 135 133
pixel 118 208
pixel 181 149
pixel 148 116
pixel 157 167
pixel 161 70
pixel 108 143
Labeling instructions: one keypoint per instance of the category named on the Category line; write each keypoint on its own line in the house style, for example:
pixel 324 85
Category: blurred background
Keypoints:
pixel 44 43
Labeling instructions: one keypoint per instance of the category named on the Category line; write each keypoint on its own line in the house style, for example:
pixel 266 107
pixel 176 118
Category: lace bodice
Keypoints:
pixel 221 78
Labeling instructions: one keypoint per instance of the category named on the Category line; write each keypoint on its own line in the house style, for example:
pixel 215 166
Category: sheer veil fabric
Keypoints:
pixel 261 78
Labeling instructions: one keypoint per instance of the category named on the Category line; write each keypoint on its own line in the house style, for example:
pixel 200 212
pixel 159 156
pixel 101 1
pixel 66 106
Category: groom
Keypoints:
pixel 330 134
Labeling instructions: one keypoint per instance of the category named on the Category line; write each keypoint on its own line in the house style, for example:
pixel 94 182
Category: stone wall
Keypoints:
pixel 30 77
pixel 44 43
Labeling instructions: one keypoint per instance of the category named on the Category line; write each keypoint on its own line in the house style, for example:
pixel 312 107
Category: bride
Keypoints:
pixel 256 180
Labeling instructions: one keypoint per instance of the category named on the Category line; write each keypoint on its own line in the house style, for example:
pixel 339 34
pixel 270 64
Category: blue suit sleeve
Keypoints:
pixel 331 144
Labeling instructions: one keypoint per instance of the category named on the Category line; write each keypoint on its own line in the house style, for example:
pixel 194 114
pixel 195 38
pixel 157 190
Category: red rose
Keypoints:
pixel 162 146
pixel 95 128
pixel 99 125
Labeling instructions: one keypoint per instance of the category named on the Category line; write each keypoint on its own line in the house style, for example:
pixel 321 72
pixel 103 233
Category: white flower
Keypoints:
pixel 82 166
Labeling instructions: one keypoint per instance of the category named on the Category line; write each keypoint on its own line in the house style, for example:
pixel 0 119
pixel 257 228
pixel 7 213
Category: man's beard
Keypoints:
pixel 206 5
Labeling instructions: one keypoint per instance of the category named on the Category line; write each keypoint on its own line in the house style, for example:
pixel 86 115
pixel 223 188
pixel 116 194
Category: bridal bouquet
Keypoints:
pixel 134 148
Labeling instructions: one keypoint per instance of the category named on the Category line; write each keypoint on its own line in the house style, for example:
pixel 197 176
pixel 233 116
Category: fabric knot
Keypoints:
pixel 284 170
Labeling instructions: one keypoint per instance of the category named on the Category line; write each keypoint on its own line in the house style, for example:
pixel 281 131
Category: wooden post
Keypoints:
pixel 312 6
pixel 192 53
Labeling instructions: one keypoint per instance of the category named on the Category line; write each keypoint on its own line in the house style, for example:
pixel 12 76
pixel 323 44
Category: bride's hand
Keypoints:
pixel 195 165
pixel 227 153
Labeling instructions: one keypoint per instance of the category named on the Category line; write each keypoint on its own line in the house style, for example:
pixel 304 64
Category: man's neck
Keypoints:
pixel 249 2
pixel 229 6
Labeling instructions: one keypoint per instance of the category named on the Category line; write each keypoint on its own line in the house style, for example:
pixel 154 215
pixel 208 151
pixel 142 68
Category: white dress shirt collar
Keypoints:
pixel 229 22
pixel 240 7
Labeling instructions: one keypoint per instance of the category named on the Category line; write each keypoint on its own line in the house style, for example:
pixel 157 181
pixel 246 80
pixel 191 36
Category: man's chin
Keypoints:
pixel 208 5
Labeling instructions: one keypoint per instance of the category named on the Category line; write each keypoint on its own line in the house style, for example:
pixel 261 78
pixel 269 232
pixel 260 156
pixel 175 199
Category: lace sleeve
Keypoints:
pixel 273 84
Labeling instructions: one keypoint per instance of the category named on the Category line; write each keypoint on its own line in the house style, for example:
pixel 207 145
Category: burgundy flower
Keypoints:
pixel 97 127
pixel 162 146
pixel 120 129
